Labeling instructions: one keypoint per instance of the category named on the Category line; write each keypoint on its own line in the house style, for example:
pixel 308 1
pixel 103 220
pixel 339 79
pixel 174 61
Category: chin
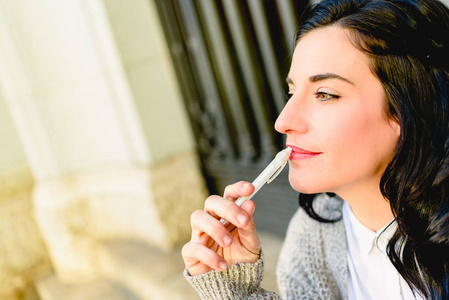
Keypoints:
pixel 304 188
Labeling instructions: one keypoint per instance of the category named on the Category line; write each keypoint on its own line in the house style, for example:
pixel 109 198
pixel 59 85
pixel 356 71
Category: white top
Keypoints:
pixel 371 275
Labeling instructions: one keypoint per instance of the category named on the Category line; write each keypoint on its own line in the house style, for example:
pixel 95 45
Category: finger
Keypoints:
pixel 247 233
pixel 225 208
pixel 196 257
pixel 237 190
pixel 249 208
pixel 204 224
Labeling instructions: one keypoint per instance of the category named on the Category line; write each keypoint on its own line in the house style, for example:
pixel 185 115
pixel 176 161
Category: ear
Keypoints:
pixel 396 127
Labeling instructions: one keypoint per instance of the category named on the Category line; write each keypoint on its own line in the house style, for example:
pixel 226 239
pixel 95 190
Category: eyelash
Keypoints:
pixel 327 96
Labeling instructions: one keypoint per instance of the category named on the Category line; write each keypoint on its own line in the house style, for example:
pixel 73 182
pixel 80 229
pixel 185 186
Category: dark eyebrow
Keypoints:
pixel 325 76
pixel 319 77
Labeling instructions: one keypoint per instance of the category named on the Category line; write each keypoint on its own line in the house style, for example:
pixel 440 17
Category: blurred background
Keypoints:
pixel 117 120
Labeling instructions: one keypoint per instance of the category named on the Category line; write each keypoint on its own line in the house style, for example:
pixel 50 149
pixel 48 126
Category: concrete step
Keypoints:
pixel 151 273
pixel 136 271
pixel 51 288
pixel 271 246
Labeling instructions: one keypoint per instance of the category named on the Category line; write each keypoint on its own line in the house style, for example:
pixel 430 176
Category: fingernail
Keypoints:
pixel 227 241
pixel 223 265
pixel 242 218
pixel 245 185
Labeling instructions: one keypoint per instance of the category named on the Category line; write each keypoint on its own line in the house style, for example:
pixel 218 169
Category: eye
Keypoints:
pixel 323 96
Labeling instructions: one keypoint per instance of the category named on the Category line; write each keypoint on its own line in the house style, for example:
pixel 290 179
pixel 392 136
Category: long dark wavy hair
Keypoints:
pixel 408 43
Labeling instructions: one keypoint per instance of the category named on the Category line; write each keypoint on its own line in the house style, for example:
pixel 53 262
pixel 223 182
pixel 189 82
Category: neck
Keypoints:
pixel 369 207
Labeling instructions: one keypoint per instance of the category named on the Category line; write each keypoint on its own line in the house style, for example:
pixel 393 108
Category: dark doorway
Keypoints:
pixel 231 58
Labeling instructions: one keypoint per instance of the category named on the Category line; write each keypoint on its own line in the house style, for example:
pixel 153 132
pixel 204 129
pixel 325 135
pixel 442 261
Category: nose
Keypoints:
pixel 292 118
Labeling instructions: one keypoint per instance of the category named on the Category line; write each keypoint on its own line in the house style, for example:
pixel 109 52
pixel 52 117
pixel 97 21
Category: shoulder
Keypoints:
pixel 303 230
pixel 313 252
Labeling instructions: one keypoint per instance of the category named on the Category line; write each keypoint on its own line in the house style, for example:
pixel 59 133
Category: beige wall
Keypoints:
pixel 12 157
pixel 151 77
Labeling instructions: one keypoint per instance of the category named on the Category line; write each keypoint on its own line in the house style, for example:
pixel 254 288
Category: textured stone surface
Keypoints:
pixel 22 251
pixel 179 189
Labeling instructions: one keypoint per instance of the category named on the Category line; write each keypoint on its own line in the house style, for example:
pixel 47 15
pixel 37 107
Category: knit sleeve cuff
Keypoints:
pixel 236 282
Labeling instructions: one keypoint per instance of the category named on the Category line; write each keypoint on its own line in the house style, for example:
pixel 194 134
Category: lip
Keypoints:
pixel 299 153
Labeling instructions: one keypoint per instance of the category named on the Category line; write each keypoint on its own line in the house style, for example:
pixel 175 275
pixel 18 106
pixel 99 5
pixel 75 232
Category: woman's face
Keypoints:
pixel 335 120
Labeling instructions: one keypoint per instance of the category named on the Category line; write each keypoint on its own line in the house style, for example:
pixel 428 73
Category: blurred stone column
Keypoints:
pixel 102 124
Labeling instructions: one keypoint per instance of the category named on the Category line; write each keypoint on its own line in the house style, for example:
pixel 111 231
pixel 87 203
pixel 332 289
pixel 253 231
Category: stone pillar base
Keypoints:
pixel 78 212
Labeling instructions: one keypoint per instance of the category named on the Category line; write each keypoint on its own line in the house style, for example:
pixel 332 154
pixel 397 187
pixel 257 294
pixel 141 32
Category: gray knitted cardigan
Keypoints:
pixel 312 263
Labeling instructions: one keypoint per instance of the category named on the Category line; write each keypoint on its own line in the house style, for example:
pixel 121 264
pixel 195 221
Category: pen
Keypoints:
pixel 268 175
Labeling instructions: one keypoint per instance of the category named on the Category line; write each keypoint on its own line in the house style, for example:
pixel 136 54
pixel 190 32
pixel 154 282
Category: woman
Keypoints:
pixel 367 119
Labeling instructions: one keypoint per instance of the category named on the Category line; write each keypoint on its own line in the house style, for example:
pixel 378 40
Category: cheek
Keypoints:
pixel 357 145
pixel 354 138
pixel 339 133
pixel 362 143
pixel 347 134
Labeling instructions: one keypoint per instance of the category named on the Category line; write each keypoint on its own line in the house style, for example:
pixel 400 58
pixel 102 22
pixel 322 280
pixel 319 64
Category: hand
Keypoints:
pixel 214 246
